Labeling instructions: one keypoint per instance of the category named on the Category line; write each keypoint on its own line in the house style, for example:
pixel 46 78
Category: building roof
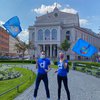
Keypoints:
pixel 58 16
pixel 89 31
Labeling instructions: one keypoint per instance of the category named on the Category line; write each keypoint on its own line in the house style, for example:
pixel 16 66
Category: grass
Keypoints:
pixel 14 63
pixel 54 66
pixel 8 84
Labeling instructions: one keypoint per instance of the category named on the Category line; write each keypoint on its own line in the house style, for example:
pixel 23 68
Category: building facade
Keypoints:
pixel 51 29
pixel 12 49
pixel 4 42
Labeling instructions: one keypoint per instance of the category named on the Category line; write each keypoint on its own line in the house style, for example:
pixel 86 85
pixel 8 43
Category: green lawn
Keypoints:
pixel 15 63
pixel 8 84
pixel 54 66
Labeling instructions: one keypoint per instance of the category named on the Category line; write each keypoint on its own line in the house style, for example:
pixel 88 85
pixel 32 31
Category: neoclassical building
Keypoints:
pixel 51 29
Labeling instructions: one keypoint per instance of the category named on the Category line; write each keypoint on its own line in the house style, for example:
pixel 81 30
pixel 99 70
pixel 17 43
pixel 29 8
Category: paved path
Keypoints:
pixel 81 86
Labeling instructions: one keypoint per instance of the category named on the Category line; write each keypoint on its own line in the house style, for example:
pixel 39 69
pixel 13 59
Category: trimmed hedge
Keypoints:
pixel 55 62
pixel 91 68
pixel 18 61
pixel 87 64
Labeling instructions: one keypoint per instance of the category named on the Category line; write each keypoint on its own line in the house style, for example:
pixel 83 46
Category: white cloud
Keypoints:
pixel 24 35
pixel 44 9
pixel 1 23
pixel 69 10
pixel 83 22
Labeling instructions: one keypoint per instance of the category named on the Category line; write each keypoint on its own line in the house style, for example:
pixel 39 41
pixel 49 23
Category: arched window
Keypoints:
pixel 40 34
pixel 68 33
pixel 54 34
pixel 47 34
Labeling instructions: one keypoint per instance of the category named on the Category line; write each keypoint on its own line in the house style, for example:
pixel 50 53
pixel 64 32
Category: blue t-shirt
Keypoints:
pixel 42 65
pixel 61 70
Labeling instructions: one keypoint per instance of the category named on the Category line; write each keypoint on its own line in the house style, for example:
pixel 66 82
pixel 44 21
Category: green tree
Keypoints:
pixel 23 46
pixel 30 45
pixel 65 45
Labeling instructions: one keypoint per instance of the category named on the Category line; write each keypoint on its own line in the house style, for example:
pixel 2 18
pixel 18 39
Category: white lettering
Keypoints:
pixel 42 65
pixel 60 66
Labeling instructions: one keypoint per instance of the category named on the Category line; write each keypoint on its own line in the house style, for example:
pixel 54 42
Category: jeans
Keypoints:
pixel 65 82
pixel 43 77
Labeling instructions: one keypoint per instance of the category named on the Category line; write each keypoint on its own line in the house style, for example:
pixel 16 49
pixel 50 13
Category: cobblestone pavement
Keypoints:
pixel 81 86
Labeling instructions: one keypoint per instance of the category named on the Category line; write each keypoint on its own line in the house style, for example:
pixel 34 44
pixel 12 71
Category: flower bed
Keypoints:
pixel 7 73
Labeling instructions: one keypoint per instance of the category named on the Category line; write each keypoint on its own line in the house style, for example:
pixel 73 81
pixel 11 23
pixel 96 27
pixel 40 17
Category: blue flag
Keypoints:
pixel 83 48
pixel 13 26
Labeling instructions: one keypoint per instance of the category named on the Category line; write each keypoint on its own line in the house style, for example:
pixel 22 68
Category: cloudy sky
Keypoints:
pixel 27 10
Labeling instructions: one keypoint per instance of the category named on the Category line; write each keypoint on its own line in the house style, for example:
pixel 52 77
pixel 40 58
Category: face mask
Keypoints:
pixel 61 56
pixel 42 56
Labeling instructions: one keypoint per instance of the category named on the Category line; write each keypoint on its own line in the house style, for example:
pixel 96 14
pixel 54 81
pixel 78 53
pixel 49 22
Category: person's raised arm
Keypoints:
pixel 49 67
pixel 65 64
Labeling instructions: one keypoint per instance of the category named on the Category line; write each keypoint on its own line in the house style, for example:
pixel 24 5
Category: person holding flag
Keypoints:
pixel 43 65
pixel 62 71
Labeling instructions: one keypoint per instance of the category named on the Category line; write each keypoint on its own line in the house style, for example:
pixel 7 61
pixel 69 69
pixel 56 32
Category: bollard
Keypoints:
pixel 18 88
pixel 73 66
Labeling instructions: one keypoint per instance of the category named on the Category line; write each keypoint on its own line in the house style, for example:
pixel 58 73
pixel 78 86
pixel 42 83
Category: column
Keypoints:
pixel 44 47
pixel 50 50
pixel 54 50
pixel 36 55
pixel 58 45
pixel 39 49
pixel 47 51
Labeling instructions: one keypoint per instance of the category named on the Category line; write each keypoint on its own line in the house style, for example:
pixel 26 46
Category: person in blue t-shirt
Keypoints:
pixel 62 75
pixel 43 65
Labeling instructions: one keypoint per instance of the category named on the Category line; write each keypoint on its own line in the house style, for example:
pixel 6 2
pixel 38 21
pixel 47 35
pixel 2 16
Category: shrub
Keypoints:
pixel 55 62
pixel 87 64
pixel 1 77
pixel 8 73
pixel 18 61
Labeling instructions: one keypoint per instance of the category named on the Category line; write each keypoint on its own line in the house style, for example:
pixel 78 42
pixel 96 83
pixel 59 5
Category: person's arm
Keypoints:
pixel 36 65
pixel 49 67
pixel 65 64
pixel 56 70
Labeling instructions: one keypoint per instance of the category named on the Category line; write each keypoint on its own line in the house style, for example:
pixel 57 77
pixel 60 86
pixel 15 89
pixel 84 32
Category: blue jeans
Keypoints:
pixel 43 77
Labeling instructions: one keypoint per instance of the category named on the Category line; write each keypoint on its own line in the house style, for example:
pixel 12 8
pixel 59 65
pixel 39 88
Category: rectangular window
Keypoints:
pixel 68 37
